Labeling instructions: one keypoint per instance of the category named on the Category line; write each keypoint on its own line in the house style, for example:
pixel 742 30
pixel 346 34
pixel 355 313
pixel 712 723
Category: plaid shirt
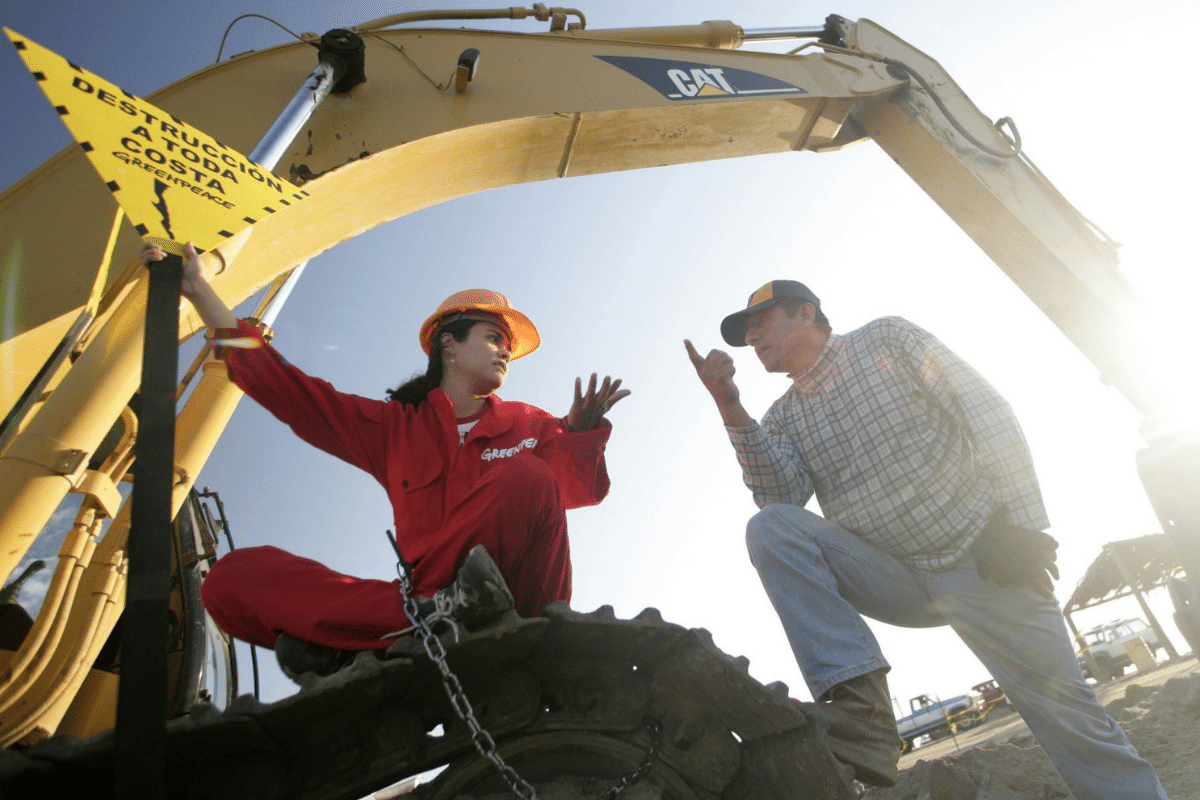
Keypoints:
pixel 904 444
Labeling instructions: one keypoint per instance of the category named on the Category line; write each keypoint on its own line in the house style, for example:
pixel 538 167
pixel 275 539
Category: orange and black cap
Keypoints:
pixel 733 327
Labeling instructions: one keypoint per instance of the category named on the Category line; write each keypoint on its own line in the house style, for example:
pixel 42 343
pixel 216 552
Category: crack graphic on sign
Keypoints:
pixel 160 189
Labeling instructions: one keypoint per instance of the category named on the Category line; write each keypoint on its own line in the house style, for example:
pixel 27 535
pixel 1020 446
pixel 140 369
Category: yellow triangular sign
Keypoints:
pixel 175 182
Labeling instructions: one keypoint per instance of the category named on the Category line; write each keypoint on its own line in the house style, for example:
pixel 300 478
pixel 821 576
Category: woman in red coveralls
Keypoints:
pixel 461 467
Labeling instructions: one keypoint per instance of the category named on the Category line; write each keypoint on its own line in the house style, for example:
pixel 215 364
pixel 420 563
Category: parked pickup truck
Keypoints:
pixel 933 717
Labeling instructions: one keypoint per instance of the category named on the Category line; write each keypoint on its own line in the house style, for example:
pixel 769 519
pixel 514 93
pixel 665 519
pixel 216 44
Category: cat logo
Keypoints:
pixel 687 80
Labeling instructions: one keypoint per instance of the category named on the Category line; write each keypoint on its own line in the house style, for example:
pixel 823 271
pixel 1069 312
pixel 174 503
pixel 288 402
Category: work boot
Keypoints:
pixel 477 595
pixel 862 728
pixel 297 656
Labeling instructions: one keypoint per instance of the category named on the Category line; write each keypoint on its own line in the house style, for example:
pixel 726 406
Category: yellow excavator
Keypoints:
pixel 586 695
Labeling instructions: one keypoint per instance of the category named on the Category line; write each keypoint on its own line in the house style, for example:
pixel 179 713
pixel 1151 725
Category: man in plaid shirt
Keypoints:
pixel 932 516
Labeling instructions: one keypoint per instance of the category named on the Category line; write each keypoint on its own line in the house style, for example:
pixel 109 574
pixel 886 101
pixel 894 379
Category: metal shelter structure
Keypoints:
pixel 1127 568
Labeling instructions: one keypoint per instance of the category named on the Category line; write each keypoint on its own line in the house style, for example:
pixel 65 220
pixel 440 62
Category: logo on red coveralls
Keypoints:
pixel 508 452
pixel 689 80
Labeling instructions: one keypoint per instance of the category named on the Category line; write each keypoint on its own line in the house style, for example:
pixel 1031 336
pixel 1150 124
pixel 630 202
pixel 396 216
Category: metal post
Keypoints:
pixel 140 734
pixel 140 738
pixel 276 305
pixel 341 57
pixel 294 117
pixel 273 145
pixel 1168 470
pixel 775 34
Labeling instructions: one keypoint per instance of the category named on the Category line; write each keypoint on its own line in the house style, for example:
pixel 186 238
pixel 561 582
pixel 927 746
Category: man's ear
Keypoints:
pixel 808 312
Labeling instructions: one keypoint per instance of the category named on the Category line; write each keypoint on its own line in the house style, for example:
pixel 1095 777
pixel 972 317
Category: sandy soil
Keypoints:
pixel 1159 710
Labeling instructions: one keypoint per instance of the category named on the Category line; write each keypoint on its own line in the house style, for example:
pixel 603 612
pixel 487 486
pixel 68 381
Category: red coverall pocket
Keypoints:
pixel 421 496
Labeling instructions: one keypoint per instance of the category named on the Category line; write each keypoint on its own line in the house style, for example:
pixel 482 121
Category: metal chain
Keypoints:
pixel 648 762
pixel 485 745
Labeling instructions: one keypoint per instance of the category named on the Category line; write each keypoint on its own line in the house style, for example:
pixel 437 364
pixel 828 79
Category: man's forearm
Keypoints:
pixel 734 414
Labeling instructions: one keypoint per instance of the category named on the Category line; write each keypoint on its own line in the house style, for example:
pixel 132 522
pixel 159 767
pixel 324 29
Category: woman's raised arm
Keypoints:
pixel 195 288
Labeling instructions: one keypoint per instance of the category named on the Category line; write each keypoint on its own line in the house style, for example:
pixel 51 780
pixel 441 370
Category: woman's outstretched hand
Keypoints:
pixel 212 309
pixel 588 409
pixel 192 273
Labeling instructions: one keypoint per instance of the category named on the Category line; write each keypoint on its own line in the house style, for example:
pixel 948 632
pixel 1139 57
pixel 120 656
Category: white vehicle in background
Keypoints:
pixel 934 718
pixel 1102 649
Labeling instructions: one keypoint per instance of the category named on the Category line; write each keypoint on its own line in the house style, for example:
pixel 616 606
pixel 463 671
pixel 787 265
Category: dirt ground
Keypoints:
pixel 1000 760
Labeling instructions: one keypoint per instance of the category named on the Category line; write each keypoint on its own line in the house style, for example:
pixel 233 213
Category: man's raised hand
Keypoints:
pixel 715 371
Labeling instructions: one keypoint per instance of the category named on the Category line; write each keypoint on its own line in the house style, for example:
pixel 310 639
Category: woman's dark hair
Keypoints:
pixel 418 387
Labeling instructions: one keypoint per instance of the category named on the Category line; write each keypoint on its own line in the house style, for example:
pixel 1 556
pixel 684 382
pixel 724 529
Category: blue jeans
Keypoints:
pixel 822 579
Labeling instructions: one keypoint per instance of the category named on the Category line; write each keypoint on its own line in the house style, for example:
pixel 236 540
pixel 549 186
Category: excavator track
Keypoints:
pixel 574 702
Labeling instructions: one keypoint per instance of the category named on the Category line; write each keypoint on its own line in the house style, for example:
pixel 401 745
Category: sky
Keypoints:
pixel 617 269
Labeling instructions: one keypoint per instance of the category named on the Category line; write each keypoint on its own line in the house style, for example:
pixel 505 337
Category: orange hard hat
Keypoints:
pixel 523 336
